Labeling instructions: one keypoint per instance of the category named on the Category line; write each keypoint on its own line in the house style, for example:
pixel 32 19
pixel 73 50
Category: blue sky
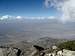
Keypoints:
pixel 26 8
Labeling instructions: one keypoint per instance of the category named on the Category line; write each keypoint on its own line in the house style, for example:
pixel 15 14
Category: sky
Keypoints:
pixel 64 10
pixel 26 8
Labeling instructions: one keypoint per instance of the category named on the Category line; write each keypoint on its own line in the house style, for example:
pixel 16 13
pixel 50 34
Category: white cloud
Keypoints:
pixel 26 17
pixel 51 17
pixel 67 7
pixel 34 17
pixel 4 17
pixel 10 17
pixel 19 17
pixel 40 17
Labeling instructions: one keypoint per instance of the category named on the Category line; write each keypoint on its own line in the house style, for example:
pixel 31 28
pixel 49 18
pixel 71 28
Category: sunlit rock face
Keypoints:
pixel 60 53
pixel 68 53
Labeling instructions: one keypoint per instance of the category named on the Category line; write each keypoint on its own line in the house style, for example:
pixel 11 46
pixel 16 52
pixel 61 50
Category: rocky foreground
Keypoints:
pixel 39 51
pixel 42 47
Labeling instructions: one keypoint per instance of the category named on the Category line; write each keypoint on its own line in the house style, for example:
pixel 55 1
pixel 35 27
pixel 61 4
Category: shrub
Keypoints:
pixel 70 45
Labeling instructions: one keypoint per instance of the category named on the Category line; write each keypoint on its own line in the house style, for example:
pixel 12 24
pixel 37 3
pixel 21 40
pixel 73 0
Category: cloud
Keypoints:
pixel 25 17
pixel 4 17
pixel 51 17
pixel 66 7
pixel 19 17
pixel 10 17
pixel 41 17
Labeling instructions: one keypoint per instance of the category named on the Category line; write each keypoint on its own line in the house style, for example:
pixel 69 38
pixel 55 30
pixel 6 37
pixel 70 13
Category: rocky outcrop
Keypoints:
pixel 25 48
pixel 9 51
pixel 55 52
